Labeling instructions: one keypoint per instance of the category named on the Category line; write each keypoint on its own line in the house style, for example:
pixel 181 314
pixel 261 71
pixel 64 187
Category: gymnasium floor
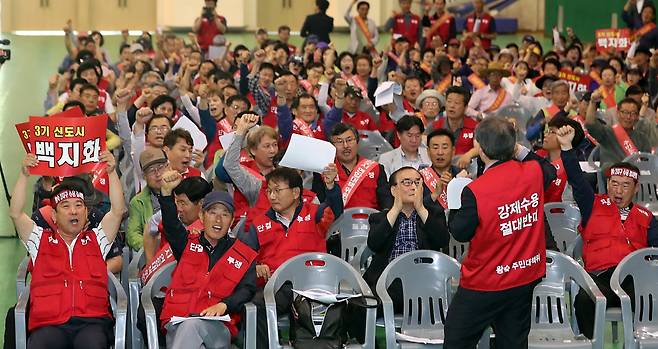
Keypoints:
pixel 23 84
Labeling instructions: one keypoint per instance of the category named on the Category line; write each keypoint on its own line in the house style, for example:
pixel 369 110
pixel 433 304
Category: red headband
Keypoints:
pixel 623 172
pixel 67 194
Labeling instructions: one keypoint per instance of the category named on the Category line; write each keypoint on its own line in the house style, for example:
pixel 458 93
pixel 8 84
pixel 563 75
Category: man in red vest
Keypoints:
pixel 215 275
pixel 630 135
pixel 69 304
pixel 611 225
pixel 480 25
pixel 363 182
pixel 405 24
pixel 208 25
pixel 502 215
pixel 289 228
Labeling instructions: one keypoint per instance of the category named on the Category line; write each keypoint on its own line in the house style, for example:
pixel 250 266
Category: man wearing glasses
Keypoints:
pixel 630 135
pixel 407 226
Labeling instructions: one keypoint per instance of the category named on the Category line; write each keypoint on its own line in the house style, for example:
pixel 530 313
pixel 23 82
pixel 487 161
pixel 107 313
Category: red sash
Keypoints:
pixel 364 28
pixel 643 30
pixel 581 121
pixel 303 127
pixel 431 179
pixel 446 16
pixel 608 98
pixel 624 140
pixel 476 81
pixel 498 102
pixel 356 177
pixel 444 84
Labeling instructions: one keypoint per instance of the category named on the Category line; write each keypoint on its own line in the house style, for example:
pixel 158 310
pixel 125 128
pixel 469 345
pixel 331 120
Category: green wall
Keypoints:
pixel 584 16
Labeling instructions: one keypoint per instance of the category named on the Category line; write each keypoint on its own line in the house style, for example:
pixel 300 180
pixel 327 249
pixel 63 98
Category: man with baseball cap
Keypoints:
pixel 153 163
pixel 612 226
pixel 69 301
pixel 215 276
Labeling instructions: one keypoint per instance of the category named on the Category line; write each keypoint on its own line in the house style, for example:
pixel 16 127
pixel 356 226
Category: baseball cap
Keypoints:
pixel 151 156
pixel 218 197
pixel 354 92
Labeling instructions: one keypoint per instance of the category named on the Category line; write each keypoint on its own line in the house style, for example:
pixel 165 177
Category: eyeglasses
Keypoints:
pixel 628 113
pixel 155 169
pixel 274 191
pixel 163 128
pixel 407 182
pixel 348 140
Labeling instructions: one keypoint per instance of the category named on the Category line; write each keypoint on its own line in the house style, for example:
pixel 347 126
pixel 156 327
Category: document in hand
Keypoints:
pixel 324 296
pixel 199 138
pixel 178 319
pixel 455 187
pixel 308 154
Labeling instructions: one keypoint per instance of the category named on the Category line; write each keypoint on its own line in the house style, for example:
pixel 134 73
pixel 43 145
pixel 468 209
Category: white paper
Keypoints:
pixel 308 154
pixel 324 296
pixel 215 52
pixel 226 139
pixel 455 187
pixel 199 138
pixel 586 167
pixel 407 338
pixel 178 319
pixel 385 92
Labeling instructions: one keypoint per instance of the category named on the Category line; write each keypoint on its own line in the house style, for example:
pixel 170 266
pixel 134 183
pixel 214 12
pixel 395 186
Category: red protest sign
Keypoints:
pixel 23 130
pixel 577 82
pixel 67 146
pixel 617 39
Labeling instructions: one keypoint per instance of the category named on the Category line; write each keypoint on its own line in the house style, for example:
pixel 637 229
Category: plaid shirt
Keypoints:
pixel 405 239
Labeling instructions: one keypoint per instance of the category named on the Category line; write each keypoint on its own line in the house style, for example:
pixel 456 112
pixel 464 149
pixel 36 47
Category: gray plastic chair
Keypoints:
pixel 372 144
pixel 648 165
pixel 642 266
pixel 550 326
pixel 427 278
pixel 118 301
pixel 318 271
pixel 134 287
pixel 563 218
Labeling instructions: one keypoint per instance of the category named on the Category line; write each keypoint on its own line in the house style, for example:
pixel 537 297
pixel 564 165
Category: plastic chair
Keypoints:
pixel 118 301
pixel 550 327
pixel 563 219
pixel 641 327
pixel 372 144
pixel 426 278
pixel 648 181
pixel 134 287
pixel 319 271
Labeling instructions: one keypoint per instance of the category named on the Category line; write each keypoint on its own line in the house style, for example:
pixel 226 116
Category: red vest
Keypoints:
pixel 207 32
pixel 606 240
pixel 61 288
pixel 443 30
pixel 365 194
pixel 409 31
pixel 555 190
pixel 508 249
pixel 360 121
pixel 463 140
pixel 193 288
pixel 278 245
pixel 485 27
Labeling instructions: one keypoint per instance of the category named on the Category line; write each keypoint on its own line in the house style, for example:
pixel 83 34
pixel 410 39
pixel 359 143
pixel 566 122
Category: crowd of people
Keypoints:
pixel 466 108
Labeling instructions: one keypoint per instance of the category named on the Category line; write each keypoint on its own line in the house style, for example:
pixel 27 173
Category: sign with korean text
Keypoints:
pixel 617 39
pixel 66 146
pixel 577 82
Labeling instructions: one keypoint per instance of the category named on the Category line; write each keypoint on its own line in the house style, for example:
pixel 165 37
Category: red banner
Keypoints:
pixel 577 82
pixel 618 39
pixel 23 130
pixel 66 146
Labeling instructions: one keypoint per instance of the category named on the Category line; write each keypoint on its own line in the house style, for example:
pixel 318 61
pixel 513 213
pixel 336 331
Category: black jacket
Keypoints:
pixel 431 235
